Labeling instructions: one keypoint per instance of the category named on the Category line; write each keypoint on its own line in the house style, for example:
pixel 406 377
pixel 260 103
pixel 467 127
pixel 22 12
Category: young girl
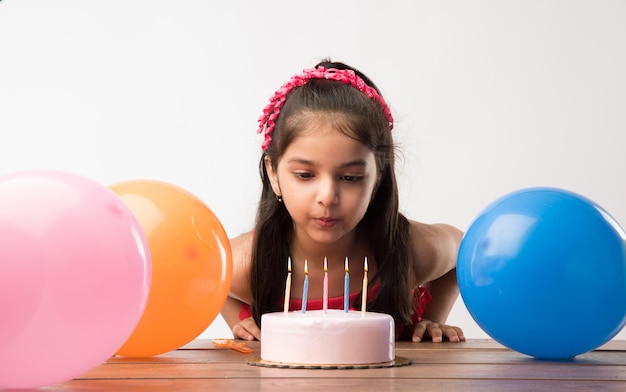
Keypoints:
pixel 329 192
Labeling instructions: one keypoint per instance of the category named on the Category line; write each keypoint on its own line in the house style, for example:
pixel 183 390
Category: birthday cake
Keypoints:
pixel 332 337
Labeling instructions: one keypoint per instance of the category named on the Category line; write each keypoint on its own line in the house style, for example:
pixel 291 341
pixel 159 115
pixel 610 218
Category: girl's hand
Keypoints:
pixel 437 332
pixel 247 329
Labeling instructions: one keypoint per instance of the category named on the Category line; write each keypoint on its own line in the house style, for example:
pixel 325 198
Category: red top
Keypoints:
pixel 423 298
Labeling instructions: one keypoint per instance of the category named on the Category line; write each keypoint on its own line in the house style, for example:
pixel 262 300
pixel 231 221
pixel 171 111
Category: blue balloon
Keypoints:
pixel 543 272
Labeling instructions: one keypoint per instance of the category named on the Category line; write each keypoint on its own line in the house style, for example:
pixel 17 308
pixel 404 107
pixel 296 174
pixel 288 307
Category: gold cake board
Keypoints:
pixel 256 360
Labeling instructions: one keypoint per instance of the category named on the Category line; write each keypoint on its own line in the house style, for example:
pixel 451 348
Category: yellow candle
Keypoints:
pixel 364 294
pixel 288 286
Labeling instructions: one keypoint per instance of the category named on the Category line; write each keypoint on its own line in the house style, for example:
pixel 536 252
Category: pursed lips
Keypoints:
pixel 326 221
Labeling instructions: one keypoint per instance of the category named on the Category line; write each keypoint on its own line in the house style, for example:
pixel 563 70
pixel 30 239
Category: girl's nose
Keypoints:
pixel 328 192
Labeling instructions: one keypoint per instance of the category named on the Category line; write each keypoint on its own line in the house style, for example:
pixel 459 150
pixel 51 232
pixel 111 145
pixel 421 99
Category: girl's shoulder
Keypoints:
pixel 242 243
pixel 435 234
pixel 435 247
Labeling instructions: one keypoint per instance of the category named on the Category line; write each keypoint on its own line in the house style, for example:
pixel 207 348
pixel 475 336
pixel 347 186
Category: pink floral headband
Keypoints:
pixel 347 76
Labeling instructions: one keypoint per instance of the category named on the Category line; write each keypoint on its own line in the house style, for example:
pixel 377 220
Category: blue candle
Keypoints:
pixel 305 289
pixel 364 291
pixel 346 290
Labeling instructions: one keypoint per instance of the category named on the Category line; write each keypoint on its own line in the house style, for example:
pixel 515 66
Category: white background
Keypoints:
pixel 489 96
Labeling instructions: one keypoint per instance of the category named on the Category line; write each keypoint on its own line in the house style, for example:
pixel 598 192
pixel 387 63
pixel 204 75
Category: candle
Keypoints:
pixel 305 289
pixel 325 285
pixel 288 286
pixel 346 290
pixel 364 293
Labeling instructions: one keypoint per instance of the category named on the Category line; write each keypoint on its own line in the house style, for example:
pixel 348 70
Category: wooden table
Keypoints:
pixel 475 365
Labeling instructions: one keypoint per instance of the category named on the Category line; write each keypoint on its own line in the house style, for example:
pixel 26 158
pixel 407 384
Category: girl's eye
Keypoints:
pixel 352 178
pixel 303 176
pixel 308 176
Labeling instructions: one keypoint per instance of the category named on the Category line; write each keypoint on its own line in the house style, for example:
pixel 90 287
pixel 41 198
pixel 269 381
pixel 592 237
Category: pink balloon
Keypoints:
pixel 75 276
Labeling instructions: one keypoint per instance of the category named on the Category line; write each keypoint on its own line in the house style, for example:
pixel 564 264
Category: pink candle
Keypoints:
pixel 346 290
pixel 364 293
pixel 325 285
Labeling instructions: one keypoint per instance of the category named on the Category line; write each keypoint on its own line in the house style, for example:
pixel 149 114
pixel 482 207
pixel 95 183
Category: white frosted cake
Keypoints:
pixel 332 338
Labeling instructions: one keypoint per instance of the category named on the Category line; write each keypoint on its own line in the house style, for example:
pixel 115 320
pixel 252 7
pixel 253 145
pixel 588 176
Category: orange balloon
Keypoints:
pixel 191 266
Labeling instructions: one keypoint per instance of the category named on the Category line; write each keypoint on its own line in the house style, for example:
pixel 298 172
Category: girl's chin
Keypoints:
pixel 326 237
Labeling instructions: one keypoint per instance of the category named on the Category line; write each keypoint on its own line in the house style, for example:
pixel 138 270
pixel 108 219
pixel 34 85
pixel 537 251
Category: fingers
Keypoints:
pixel 419 330
pixel 425 329
pixel 453 334
pixel 247 330
pixel 437 332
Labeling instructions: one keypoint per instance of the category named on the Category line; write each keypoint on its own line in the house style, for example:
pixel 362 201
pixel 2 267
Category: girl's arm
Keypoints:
pixel 240 293
pixel 437 248
pixel 242 329
pixel 444 292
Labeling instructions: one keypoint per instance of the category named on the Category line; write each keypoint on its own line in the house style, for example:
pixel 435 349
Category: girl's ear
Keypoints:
pixel 271 174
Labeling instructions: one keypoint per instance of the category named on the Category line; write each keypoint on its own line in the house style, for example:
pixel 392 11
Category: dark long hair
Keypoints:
pixel 382 226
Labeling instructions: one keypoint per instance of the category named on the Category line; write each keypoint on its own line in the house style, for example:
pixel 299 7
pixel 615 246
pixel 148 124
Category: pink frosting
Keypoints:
pixel 332 338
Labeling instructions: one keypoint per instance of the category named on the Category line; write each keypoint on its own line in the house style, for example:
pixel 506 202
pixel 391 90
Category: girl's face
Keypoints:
pixel 326 180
